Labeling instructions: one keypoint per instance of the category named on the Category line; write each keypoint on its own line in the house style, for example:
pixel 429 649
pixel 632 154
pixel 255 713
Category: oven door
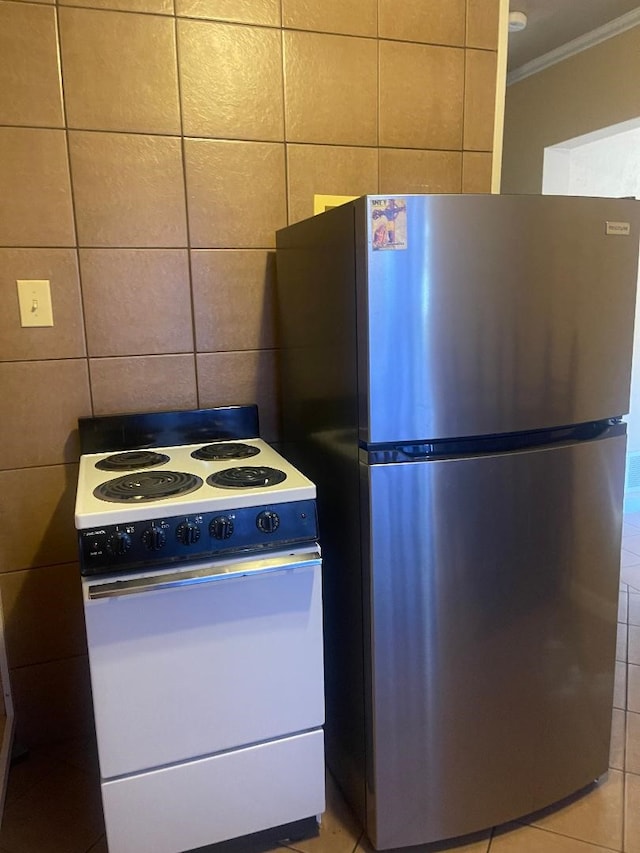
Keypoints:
pixel 205 659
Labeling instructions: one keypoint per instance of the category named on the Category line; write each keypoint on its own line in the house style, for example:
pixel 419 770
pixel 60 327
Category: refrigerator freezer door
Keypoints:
pixel 494 585
pixel 497 314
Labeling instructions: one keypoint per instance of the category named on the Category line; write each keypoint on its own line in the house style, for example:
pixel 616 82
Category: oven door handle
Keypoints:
pixel 209 573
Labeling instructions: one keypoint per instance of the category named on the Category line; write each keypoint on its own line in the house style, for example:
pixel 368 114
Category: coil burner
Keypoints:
pixel 246 477
pixel 131 460
pixel 225 450
pixel 148 486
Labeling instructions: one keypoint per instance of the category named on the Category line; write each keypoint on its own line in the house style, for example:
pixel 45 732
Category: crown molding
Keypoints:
pixel 583 42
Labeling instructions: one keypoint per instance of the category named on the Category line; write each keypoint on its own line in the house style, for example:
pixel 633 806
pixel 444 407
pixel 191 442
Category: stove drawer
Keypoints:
pixel 196 669
pixel 225 796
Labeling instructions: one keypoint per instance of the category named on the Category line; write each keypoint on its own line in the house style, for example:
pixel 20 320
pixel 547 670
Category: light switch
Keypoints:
pixel 321 203
pixel 34 297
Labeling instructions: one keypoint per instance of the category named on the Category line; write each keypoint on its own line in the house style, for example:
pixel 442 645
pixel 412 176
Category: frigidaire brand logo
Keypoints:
pixel 619 228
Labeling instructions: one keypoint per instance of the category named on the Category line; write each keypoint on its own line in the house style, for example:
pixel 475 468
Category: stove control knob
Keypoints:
pixel 268 521
pixel 221 527
pixel 188 533
pixel 118 543
pixel 153 539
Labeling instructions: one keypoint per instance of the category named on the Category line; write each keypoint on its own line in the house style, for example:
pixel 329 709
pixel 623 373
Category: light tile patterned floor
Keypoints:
pixel 53 801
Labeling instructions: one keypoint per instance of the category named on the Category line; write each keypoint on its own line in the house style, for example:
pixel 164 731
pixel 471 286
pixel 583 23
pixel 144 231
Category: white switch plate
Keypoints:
pixel 34 296
pixel 321 203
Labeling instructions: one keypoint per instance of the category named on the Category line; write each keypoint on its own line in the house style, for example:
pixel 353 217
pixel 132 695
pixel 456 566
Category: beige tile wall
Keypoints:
pixel 148 151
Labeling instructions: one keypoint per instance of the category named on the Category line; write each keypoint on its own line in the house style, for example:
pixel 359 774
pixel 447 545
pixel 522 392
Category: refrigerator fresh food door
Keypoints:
pixel 495 314
pixel 493 588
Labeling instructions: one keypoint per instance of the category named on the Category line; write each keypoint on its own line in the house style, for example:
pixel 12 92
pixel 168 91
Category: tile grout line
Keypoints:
pixel 491 836
pixel 188 247
pixel 624 794
pixel 572 837
pixel 74 213
pixel 166 135
pixel 358 842
pixel 283 64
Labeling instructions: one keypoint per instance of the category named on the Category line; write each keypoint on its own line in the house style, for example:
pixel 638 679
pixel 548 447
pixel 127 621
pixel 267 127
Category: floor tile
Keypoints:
pixel 633 612
pixel 61 814
pixel 631 543
pixel 480 844
pixel 595 817
pixel 632 518
pixel 621 642
pixel 620 686
pixel 339 830
pixel 28 771
pixel 617 752
pixel 632 751
pixel 514 838
pixel 633 649
pixel 623 605
pixel 629 558
pixel 631 575
pixel 633 688
pixel 632 814
pixel 81 753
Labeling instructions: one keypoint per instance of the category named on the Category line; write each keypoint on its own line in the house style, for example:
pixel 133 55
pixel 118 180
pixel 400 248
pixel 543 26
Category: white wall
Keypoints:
pixel 603 163
pixel 592 89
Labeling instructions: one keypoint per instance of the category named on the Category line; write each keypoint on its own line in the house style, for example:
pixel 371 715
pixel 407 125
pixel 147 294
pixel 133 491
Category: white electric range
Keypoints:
pixel 201 576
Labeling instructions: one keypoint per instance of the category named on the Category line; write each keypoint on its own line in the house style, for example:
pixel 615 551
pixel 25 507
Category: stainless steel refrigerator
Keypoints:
pixel 454 372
